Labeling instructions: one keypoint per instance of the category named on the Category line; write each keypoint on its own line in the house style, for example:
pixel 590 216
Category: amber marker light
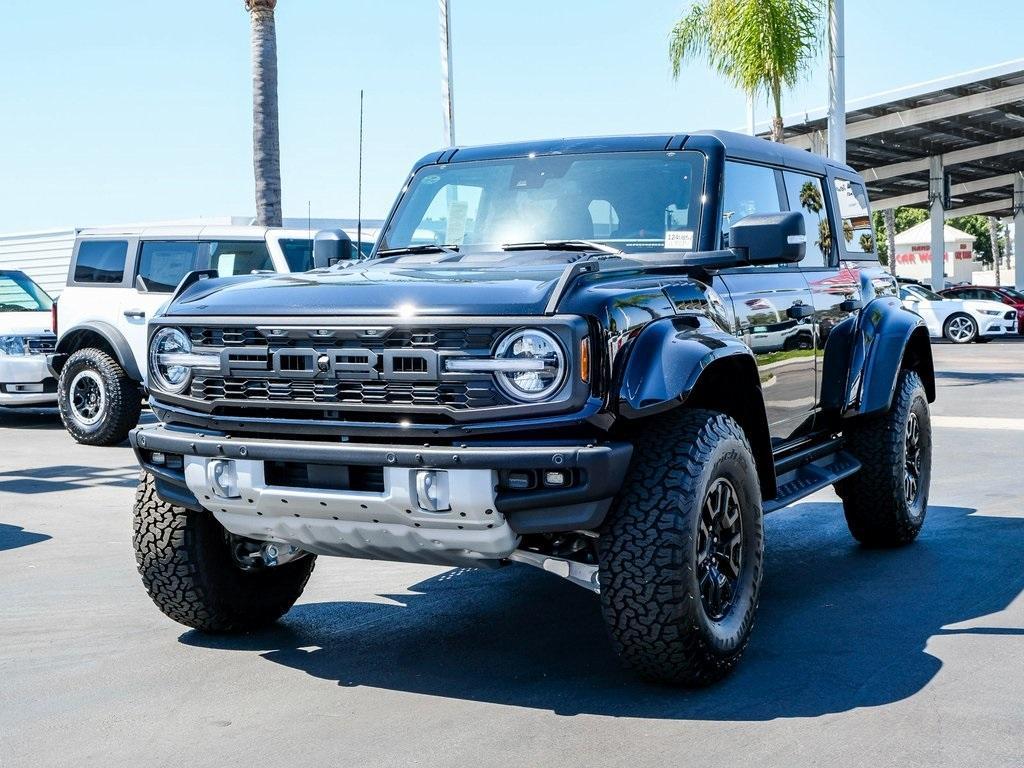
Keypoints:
pixel 585 360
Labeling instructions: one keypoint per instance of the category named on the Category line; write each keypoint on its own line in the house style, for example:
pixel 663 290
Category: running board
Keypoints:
pixel 808 478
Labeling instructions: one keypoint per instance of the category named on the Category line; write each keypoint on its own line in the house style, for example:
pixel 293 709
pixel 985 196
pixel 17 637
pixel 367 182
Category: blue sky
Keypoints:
pixel 139 110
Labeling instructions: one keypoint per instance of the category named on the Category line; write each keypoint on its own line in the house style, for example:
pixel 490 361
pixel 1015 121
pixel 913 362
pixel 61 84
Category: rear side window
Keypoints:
pixel 101 261
pixel 856 216
pixel 805 195
pixel 162 264
pixel 239 258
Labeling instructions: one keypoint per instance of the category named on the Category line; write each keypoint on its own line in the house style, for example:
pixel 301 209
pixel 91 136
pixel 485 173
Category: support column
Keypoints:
pixel 1018 231
pixel 938 221
pixel 836 82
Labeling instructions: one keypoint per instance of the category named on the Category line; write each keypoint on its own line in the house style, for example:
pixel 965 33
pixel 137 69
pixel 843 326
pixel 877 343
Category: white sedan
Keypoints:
pixel 25 339
pixel 959 320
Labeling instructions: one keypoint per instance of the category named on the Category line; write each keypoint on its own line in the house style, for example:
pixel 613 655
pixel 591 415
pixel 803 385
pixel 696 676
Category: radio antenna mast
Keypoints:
pixel 359 184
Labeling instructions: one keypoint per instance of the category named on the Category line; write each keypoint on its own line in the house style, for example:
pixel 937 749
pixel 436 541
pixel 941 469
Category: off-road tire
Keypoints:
pixel 187 568
pixel 960 316
pixel 648 561
pixel 122 398
pixel 875 502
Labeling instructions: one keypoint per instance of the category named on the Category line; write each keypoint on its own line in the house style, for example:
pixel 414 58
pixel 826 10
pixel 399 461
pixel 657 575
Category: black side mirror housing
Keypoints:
pixel 769 238
pixel 332 246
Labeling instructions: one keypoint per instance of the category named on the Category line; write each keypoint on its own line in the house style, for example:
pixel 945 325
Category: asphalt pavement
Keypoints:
pixel 859 658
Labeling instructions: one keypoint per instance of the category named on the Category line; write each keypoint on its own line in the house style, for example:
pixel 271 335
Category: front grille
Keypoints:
pixel 458 395
pixel 263 369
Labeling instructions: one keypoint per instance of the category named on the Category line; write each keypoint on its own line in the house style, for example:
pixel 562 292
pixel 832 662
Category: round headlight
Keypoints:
pixel 170 377
pixel 543 369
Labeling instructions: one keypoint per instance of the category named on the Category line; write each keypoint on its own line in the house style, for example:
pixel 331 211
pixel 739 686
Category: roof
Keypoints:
pixel 736 145
pixel 974 120
pixel 193 231
pixel 921 233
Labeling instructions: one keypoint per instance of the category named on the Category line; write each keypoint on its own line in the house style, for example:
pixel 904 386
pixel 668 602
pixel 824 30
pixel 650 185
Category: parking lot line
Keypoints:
pixel 978 422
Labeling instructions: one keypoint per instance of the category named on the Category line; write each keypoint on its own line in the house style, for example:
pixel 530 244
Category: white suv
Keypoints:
pixel 25 340
pixel 117 281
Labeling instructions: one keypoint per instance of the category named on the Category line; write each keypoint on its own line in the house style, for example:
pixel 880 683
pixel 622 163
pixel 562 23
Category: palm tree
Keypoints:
pixel 993 234
pixel 266 145
pixel 889 215
pixel 759 46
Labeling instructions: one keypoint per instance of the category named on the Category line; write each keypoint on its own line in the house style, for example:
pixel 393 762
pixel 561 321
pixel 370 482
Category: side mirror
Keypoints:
pixel 769 238
pixel 331 246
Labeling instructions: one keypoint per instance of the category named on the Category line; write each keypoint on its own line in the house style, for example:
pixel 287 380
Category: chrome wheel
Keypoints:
pixel 961 329
pixel 88 398
pixel 912 462
pixel 719 549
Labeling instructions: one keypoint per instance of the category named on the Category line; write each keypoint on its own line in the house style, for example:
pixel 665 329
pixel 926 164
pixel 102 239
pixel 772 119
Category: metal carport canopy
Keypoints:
pixel 973 121
pixel 969 127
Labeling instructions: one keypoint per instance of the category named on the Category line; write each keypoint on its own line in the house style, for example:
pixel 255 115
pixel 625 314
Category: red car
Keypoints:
pixel 1003 294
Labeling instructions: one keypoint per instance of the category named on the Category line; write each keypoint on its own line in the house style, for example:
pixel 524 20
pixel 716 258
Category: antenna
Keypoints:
pixel 309 219
pixel 359 184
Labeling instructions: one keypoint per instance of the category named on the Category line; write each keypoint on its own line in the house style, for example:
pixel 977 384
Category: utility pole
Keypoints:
pixel 447 88
pixel 751 127
pixel 836 82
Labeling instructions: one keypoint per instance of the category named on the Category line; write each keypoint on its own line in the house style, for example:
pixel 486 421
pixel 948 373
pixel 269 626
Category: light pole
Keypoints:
pixel 447 89
pixel 836 82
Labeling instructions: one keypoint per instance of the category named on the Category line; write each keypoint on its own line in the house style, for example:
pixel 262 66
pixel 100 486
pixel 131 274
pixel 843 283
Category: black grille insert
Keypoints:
pixel 334 477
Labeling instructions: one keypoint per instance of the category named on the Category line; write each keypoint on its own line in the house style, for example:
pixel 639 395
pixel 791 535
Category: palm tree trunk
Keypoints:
pixel 266 146
pixel 993 234
pixel 777 125
pixel 889 217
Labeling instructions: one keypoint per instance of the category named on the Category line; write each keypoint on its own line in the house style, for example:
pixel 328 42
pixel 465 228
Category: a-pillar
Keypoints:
pixel 1018 230
pixel 938 222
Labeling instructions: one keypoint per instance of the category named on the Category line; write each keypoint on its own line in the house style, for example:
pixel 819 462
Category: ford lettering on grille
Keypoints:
pixel 339 363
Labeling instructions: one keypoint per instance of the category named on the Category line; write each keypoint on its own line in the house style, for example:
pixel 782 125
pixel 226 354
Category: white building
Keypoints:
pixel 914 254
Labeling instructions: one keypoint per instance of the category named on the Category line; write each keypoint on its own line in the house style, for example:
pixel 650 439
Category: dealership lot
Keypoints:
pixel 901 658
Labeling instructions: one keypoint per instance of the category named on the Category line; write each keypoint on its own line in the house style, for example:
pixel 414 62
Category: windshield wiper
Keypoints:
pixel 563 245
pixel 418 249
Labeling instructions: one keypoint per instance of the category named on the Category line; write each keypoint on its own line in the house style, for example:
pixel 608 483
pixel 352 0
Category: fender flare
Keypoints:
pixel 675 362
pixel 886 334
pixel 114 339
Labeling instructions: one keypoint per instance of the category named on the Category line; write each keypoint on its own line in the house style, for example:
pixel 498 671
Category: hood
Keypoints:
pixel 505 284
pixel 25 323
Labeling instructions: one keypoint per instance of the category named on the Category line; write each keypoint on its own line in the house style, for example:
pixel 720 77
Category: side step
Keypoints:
pixel 805 479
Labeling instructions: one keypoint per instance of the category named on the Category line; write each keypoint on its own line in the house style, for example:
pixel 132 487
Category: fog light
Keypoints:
pixel 519 481
pixel 157 458
pixel 223 478
pixel 556 479
pixel 432 490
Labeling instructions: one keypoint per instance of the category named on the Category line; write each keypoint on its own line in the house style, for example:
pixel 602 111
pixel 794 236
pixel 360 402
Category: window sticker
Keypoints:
pixel 679 239
pixel 458 212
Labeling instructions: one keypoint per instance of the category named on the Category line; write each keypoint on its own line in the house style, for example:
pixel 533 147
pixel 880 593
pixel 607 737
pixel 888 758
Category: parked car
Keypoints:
pixel 26 337
pixel 959 320
pixel 1002 294
pixel 566 380
pixel 117 280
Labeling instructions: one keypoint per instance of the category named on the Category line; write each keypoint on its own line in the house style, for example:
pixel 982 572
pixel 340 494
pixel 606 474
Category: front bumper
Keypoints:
pixel 26 380
pixel 997 326
pixel 484 523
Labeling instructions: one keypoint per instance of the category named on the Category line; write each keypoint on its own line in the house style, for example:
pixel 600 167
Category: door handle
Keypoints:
pixel 800 311
pixel 135 314
pixel 850 305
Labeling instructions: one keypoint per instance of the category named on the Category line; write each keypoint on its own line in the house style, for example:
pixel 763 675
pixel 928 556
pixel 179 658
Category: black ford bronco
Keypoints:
pixel 606 358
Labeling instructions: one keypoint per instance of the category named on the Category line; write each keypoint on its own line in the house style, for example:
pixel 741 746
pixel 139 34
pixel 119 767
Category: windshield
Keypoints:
pixel 19 294
pixel 633 201
pixel 920 292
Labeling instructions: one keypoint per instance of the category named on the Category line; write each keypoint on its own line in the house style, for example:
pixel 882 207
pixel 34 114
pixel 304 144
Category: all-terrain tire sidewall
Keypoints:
pixel 122 396
pixel 650 591
pixel 946 333
pixel 877 511
pixel 186 565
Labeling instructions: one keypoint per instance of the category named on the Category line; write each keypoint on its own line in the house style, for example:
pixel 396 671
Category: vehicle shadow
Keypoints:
pixel 30 418
pixel 840 627
pixel 973 378
pixel 14 536
pixel 65 477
